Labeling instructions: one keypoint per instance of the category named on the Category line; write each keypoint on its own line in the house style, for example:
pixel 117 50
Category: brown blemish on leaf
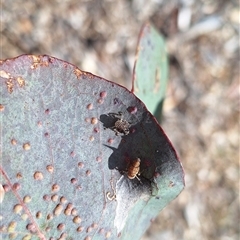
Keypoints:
pixel 16 186
pixel 11 81
pixel 37 61
pixel 38 214
pixel 110 140
pixel 46 198
pixel 61 227
pixel 68 209
pixel 108 234
pixel 94 120
pixel 39 123
pixel 55 188
pixel 63 236
pixel 80 164
pixel 46 134
pixel 2 107
pixel 21 81
pixel 157 81
pixel 50 168
pixel 6 187
pixel 90 106
pixel 103 94
pixel 80 229
pixel 89 229
pixel 73 180
pixel 47 111
pixel 171 184
pixel 38 175
pixel 100 101
pixel 31 227
pixel 87 238
pixel 13 141
pixel 9 84
pixel 88 120
pixel 63 199
pixel 27 237
pixel 19 175
pixel 4 74
pixel 24 216
pixel 11 226
pixel 49 216
pixel 91 138
pixel 101 231
pixel 47 229
pixel 88 172
pixel 94 225
pixel 12 235
pixel 74 212
pixel 77 219
pixel 96 130
pixel 99 159
pixel 132 109
pixel 54 197
pixel 17 208
pixel 26 146
pixel 77 72
pixel 72 154
pixel 58 210
pixel 27 199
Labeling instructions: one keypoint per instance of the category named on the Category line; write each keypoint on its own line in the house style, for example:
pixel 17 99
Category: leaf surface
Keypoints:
pixel 150 75
pixel 63 169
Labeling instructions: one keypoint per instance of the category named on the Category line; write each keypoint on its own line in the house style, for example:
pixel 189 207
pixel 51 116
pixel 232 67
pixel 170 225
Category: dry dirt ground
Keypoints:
pixel 201 112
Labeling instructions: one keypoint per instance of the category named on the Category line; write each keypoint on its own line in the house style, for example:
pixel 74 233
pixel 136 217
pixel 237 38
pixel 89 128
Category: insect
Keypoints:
pixel 133 170
pixel 121 126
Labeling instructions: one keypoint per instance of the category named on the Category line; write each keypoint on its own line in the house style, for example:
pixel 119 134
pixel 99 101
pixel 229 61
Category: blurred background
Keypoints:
pixel 201 111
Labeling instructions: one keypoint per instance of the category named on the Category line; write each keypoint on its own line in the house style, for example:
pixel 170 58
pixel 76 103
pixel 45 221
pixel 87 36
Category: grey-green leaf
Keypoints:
pixel 64 169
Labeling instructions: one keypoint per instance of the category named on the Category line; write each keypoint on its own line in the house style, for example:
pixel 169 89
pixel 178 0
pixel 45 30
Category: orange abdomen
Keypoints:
pixel 134 168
